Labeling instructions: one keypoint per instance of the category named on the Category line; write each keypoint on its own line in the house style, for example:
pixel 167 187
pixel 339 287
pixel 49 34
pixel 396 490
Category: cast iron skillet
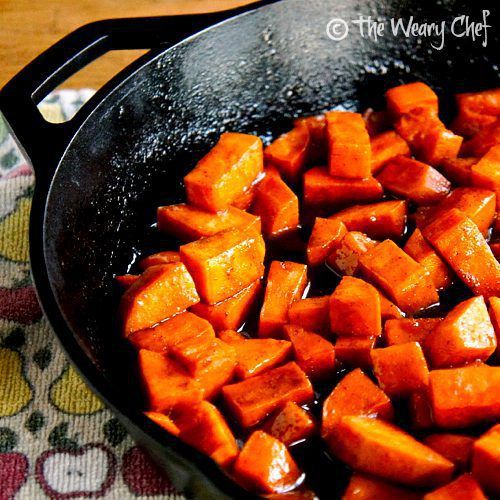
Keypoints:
pixel 100 176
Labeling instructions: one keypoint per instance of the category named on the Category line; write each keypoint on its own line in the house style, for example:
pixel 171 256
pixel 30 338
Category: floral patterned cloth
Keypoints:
pixel 57 440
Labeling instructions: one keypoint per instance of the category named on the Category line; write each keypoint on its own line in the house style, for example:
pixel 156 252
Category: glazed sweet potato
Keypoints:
pixel 457 448
pixel 363 487
pixel 224 264
pixel 291 424
pixel 189 223
pixel 345 258
pixel 414 180
pixel 484 140
pixel 160 292
pixel 403 279
pixel 314 354
pixel 420 410
pixel 265 465
pixel 325 236
pixel 126 280
pixel 226 172
pixel 231 313
pixel 486 172
pixel 458 170
pixel 354 351
pixel 157 259
pixel 349 151
pixel 400 369
pixel 404 98
pixel 251 400
pixel 376 447
pixel 355 309
pixel 464 487
pixel 311 314
pixel 386 219
pixel 316 126
pixel 494 310
pixel 164 421
pixel 255 356
pixel 486 461
pixel 461 397
pixel 465 335
pixel 403 330
pixel 455 237
pixel 286 283
pixel 385 147
pixel 357 395
pixel 276 204
pixel 388 309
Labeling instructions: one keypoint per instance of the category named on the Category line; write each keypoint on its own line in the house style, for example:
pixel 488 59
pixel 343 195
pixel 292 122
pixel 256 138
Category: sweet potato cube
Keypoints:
pixel 355 309
pixel 255 356
pixel 455 237
pixel 464 487
pixel 224 264
pixel 388 309
pixel 376 447
pixel 486 172
pixel 251 400
pixel 286 283
pixel 276 204
pixel 403 330
pixel 355 351
pixel 316 126
pixel 314 354
pixel 327 193
pixel 414 180
pixel 312 314
pixel 483 141
pixel 226 172
pixel 404 98
pixel 189 223
pixel 386 219
pixel 157 259
pixel 400 369
pixel 486 460
pixel 385 147
pixel 325 236
pixel 164 421
pixel 457 448
pixel 265 465
pixel 420 410
pixel 160 292
pixel 465 335
pixel 418 249
pixel 461 397
pixel 362 487
pixel 289 153
pixel 357 395
pixel 458 170
pixel 290 424
pixel 165 382
pixel 163 336
pixel 203 427
pixel 403 279
pixel 231 313
pixel 126 280
pixel 345 258
pixel 494 310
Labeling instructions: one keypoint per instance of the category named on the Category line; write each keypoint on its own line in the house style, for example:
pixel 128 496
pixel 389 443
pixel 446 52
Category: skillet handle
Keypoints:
pixel 43 142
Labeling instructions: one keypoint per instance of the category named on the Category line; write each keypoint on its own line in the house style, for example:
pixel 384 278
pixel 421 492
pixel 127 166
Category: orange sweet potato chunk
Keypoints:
pixel 276 204
pixel 376 447
pixel 251 400
pixel 289 153
pixel 461 397
pixel 355 351
pixel 312 314
pixel 162 337
pixel 314 354
pixel 165 382
pixel 414 180
pixel 418 249
pixel 286 283
pixel 230 314
pixel 157 259
pixel 290 424
pixel 464 487
pixel 455 237
pixel 349 151
pixel 355 309
pixel 400 369
pixel 255 356
pixel 224 264
pixel 126 280
pixel 486 172
pixel 388 309
pixel 494 310
pixel 486 461
pixel 363 487
pixel 403 279
pixel 190 223
pixel 160 292
pixel 458 170
pixel 457 448
pixel 404 98
pixel 325 236
pixel 386 219
pixel 345 258
pixel 357 395
pixel 465 335
pixel 164 421
pixel 403 330
pixel 420 410
pixel 226 172
pixel 385 147
pixel 264 465
pixel 483 141
pixel 326 193
pixel 316 126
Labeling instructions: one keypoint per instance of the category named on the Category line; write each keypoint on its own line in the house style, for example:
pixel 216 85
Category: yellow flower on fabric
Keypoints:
pixel 14 232
pixel 15 391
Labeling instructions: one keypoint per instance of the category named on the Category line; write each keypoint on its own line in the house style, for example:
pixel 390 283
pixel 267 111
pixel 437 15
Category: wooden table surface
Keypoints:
pixel 27 28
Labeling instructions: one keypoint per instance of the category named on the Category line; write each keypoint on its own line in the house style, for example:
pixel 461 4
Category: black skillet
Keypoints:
pixel 100 176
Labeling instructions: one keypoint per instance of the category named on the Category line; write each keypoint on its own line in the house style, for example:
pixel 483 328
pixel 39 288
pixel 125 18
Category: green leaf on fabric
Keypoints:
pixel 15 339
pixel 8 439
pixel 58 438
pixel 114 432
pixel 9 159
pixel 35 422
pixel 43 357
